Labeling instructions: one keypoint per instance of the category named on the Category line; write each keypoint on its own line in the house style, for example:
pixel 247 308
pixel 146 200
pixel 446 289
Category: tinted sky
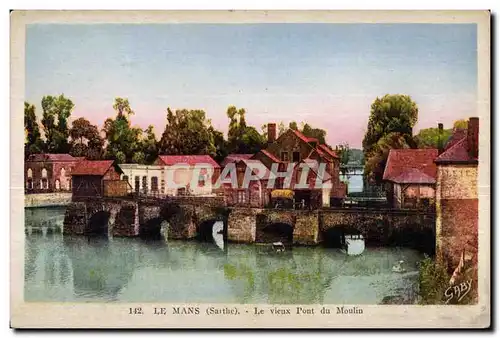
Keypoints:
pixel 325 74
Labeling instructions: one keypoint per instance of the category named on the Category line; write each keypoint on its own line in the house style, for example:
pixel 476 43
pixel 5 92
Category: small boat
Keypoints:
pixel 399 267
pixel 278 247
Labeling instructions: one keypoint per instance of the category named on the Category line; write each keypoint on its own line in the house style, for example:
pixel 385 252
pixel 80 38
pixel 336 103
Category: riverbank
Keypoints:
pixel 47 200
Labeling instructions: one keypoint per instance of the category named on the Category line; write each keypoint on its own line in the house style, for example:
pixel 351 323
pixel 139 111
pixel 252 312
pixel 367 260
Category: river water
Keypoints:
pixel 72 268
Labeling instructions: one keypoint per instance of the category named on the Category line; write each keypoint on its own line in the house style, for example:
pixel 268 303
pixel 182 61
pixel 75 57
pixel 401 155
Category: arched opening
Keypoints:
pixel 58 185
pixel 151 230
pixel 333 238
pixel 207 232
pixel 276 232
pixel 98 224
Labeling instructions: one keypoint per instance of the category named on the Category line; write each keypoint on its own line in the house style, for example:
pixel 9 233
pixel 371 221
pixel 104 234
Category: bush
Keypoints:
pixel 433 282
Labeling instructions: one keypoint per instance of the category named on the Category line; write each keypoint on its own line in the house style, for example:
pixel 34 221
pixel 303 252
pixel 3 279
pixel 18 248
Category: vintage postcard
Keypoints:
pixel 250 169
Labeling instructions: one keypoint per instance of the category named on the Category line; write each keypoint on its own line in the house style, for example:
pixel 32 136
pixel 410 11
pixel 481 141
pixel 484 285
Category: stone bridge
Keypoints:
pixel 187 218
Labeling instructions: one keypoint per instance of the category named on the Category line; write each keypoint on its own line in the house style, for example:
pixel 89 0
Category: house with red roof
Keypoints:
pixel 410 176
pixel 457 198
pixel 187 174
pixel 90 179
pixel 294 147
pixel 48 173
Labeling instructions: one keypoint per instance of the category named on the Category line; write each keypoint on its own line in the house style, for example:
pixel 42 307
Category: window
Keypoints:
pixel 284 156
pixel 242 196
pixel 58 185
pixel 137 183
pixel 30 173
pixel 145 184
pixel 154 183
pixel 296 156
pixel 125 178
pixel 44 173
pixel 201 181
pixel 45 183
pixel 29 184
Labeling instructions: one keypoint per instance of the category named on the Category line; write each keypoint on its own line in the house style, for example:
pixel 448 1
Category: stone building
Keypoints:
pixel 294 147
pixel 410 176
pixel 47 173
pixel 457 197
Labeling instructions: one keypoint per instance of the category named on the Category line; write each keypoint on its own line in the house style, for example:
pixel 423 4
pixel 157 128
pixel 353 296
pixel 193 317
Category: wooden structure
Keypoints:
pixel 89 177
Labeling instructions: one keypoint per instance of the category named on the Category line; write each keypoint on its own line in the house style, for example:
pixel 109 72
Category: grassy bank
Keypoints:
pixel 434 287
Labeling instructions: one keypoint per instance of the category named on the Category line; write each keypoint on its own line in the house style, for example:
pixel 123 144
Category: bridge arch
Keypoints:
pixel 152 228
pixel 97 224
pixel 272 229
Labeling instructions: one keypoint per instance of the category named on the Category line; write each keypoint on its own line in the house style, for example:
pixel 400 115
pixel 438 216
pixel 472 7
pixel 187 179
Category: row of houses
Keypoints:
pixel 291 153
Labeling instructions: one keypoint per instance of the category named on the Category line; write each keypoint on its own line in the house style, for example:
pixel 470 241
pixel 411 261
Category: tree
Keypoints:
pixel 187 132
pixel 123 141
pixel 33 142
pixel 122 106
pixel 391 123
pixel 375 163
pixel 149 146
pixel 221 147
pixel 460 124
pixel 56 111
pixel 344 154
pixel 242 139
pixel 85 140
pixel 316 133
pixel 431 138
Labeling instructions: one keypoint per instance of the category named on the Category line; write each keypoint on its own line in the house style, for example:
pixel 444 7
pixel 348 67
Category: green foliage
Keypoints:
pixel 85 140
pixel 433 282
pixel 393 115
pixel 460 124
pixel 33 141
pixel 123 141
pixel 187 132
pixel 148 147
pixel 375 163
pixel 221 146
pixel 317 133
pixel 431 138
pixel 356 156
pixel 56 111
pixel 344 154
pixel 242 139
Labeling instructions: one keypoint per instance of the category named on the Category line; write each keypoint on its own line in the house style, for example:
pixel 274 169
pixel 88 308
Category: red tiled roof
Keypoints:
pixel 52 157
pixel 328 150
pixel 411 166
pixel 304 137
pixel 188 159
pixel 271 156
pixel 456 153
pixel 92 168
pixel 415 176
pixel 456 137
pixel 235 157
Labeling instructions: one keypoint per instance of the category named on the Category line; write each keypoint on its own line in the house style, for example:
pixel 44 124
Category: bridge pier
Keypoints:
pixel 306 229
pixel 242 225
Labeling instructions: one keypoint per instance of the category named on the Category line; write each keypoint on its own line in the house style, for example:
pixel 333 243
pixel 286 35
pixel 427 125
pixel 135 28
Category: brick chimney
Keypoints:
pixel 271 132
pixel 473 137
pixel 440 139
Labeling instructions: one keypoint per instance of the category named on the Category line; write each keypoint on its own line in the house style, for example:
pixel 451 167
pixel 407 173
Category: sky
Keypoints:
pixel 324 74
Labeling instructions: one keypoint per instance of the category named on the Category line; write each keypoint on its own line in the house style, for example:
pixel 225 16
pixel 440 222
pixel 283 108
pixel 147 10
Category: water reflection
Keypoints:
pixel 133 270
